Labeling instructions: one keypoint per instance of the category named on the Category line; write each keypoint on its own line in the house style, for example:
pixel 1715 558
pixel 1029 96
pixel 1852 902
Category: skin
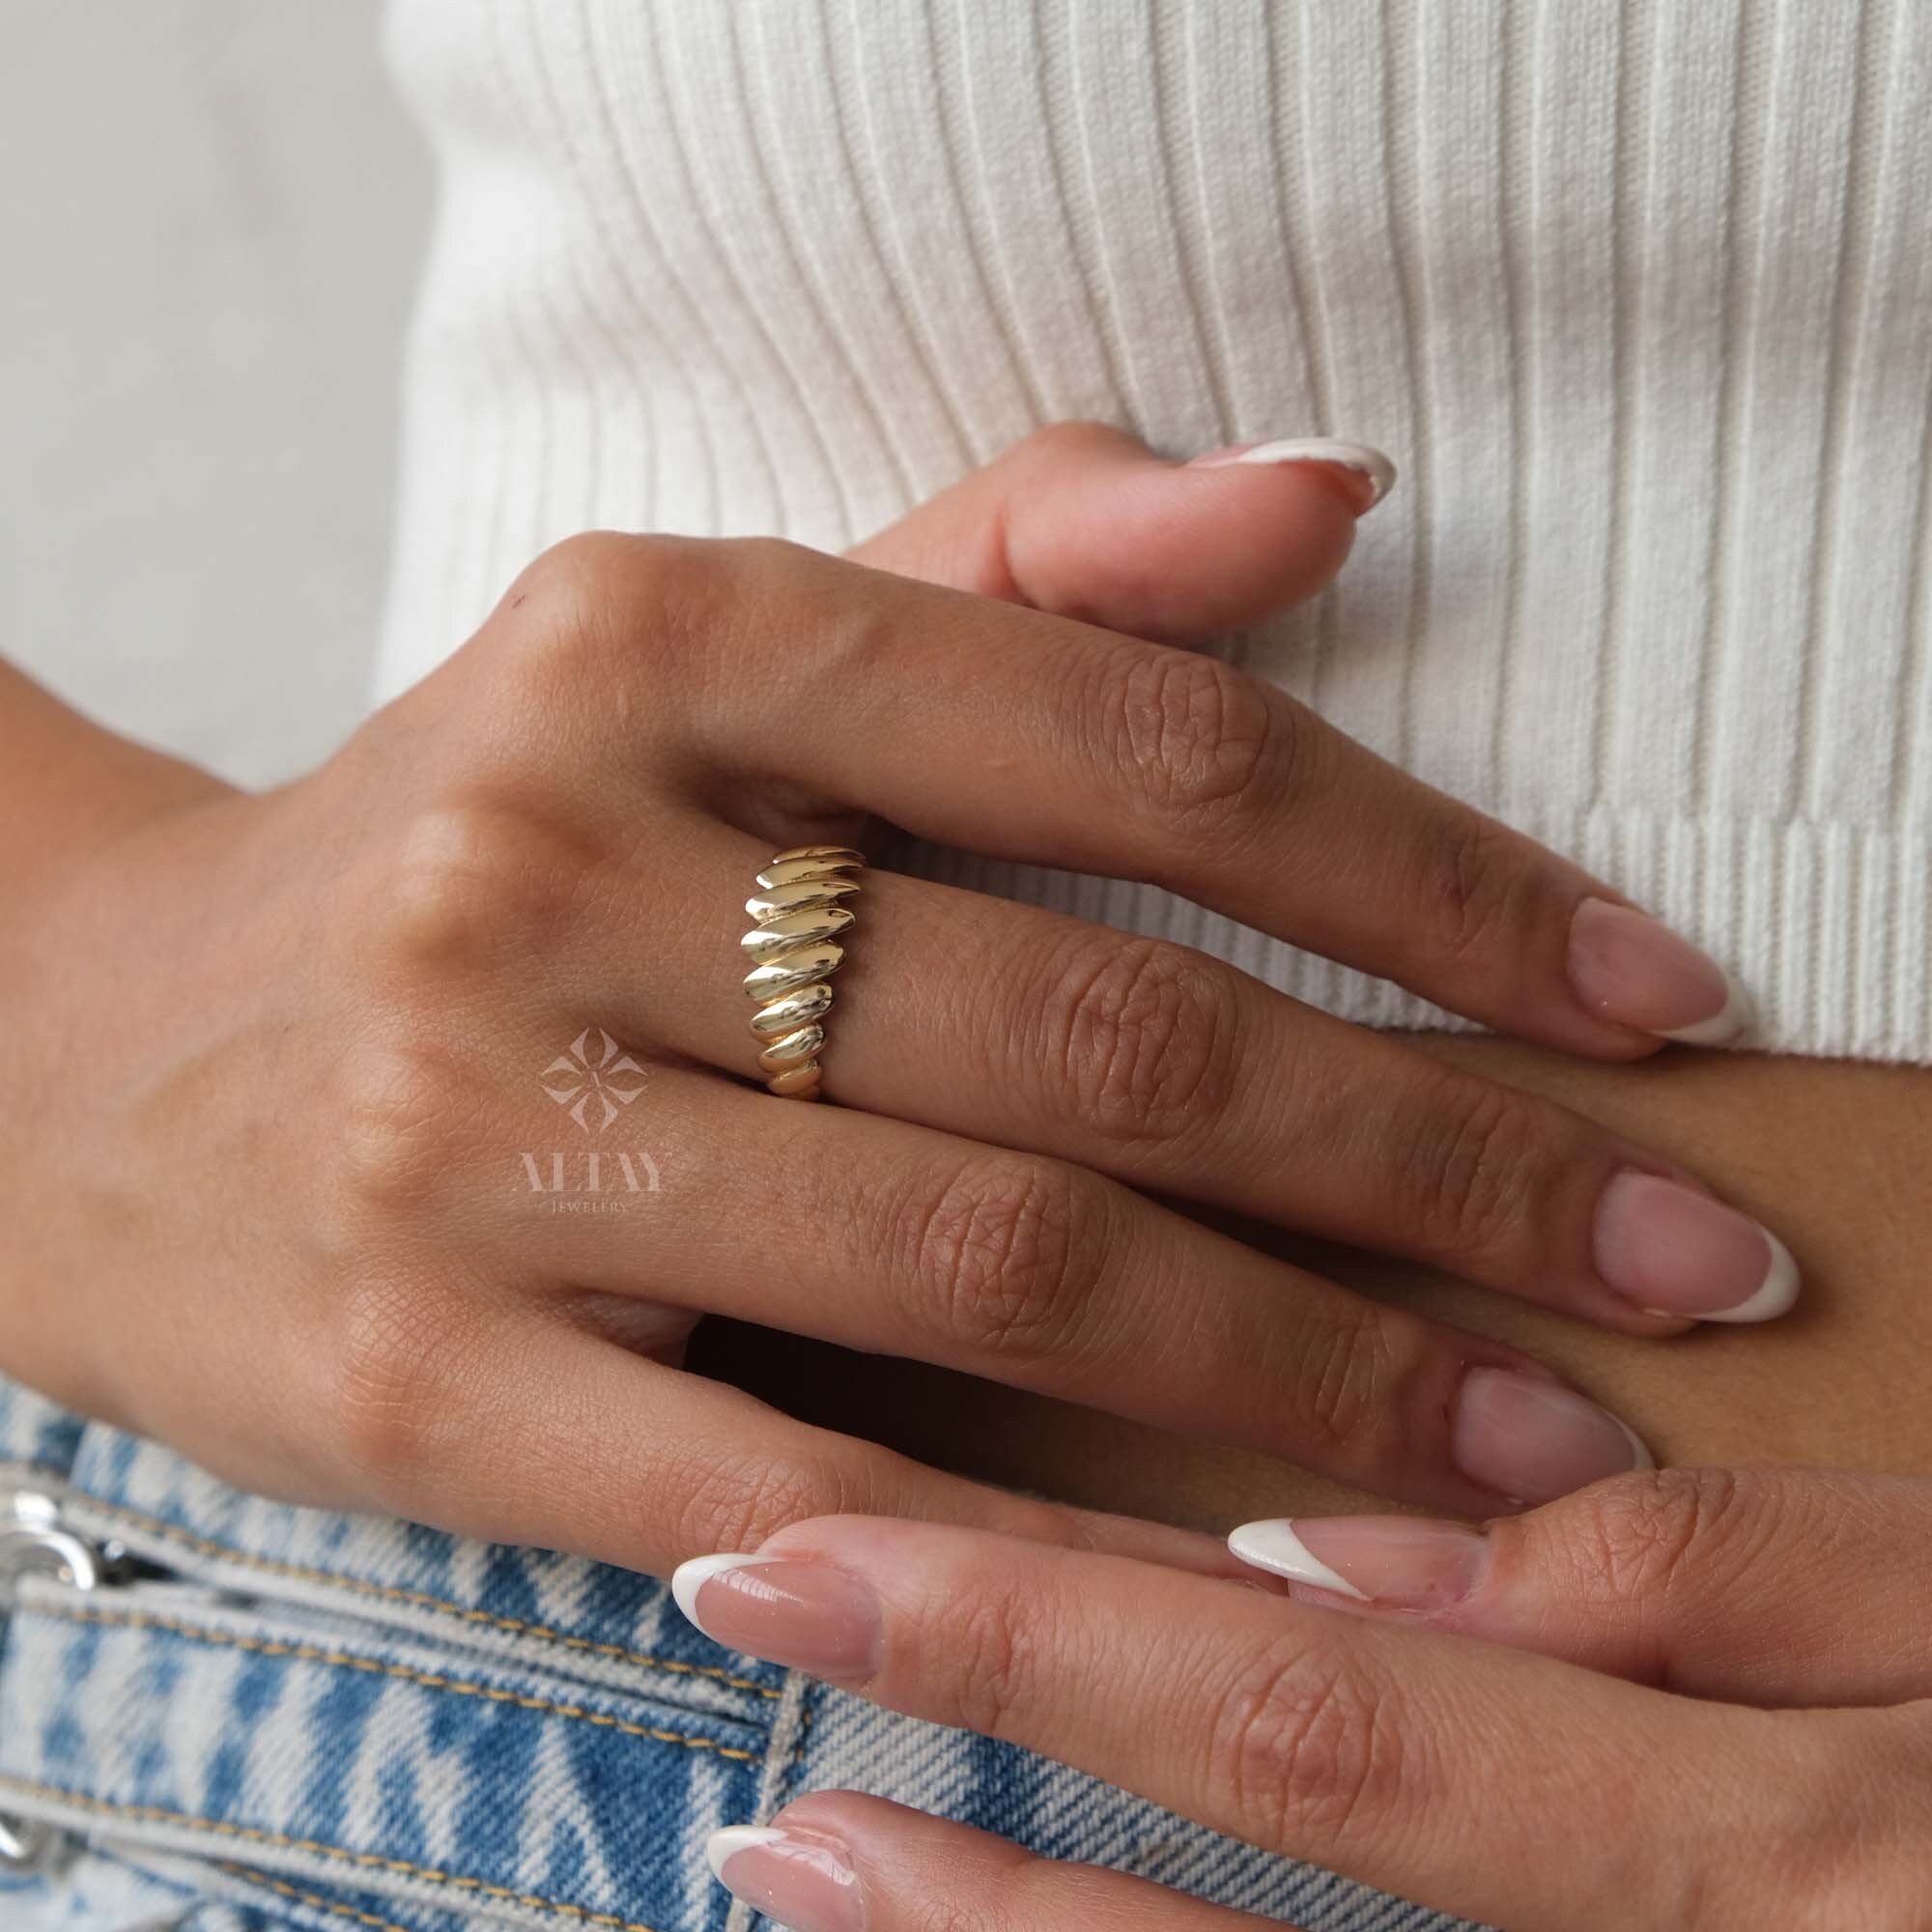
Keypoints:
pixel 266 1238
pixel 1832 1154
pixel 1782 1778
pixel 288 1229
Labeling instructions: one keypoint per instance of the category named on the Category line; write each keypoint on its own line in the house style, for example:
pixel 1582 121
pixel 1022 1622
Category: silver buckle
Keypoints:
pixel 31 1541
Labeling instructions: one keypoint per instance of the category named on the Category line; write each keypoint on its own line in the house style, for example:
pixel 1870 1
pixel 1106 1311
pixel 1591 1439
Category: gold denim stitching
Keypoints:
pixel 314 1898
pixel 254 1835
pixel 346 1660
pixel 420 1600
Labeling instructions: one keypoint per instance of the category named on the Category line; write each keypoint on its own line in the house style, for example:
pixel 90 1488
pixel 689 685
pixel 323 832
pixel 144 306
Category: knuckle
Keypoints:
pixel 1299 1743
pixel 403 1104
pixel 996 1645
pixel 469 880
pixel 1000 1252
pixel 1475 890
pixel 562 596
pixel 1478 1150
pixel 1197 739
pixel 1346 1374
pixel 394 1362
pixel 1637 1532
pixel 599 600
pixel 1142 1036
pixel 731 1502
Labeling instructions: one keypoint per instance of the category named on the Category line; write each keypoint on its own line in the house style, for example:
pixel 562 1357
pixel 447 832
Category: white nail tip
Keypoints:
pixel 1777 1292
pixel 722 1846
pixel 1640 1456
pixel 687 1579
pixel 1274 1546
pixel 1725 1025
pixel 1355 456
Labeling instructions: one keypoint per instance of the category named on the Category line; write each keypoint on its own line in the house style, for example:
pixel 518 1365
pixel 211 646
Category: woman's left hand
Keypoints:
pixel 1771 1764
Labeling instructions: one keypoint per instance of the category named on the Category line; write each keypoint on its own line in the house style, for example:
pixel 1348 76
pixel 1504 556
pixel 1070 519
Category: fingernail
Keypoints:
pixel 1632 969
pixel 803 1880
pixel 807 1616
pixel 1533 1440
pixel 1407 1563
pixel 1674 1251
pixel 1370 473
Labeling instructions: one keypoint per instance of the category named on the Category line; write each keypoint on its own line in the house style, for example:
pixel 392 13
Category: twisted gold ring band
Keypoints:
pixel 794 953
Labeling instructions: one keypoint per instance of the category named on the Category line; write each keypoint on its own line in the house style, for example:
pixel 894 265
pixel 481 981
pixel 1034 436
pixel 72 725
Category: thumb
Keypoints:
pixel 1086 522
pixel 1758 1586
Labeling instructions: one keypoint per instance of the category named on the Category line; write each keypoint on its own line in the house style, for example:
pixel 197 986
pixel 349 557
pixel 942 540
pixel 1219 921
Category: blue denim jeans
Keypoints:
pixel 231 1713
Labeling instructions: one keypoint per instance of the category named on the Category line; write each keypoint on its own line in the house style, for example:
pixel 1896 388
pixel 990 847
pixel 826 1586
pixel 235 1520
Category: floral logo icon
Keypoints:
pixel 596 1077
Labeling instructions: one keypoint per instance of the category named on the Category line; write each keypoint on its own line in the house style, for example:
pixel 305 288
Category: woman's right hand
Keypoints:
pixel 378 1141
pixel 1772 1766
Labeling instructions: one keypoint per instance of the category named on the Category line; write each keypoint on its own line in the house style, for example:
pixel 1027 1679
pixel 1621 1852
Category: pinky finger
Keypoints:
pixel 842 1862
pixel 544 1434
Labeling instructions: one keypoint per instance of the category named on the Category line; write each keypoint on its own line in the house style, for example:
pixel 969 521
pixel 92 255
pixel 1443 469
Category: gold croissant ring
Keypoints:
pixel 794 954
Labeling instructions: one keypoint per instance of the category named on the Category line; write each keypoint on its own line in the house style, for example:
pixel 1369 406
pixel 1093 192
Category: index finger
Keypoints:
pixel 1033 737
pixel 1435 1767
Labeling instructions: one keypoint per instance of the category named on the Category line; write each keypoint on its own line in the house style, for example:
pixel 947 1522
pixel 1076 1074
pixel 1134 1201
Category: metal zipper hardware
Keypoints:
pixel 33 1540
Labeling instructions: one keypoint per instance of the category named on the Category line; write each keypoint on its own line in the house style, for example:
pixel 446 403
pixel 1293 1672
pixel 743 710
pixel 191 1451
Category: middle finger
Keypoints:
pixel 1172 1071
pixel 879 1236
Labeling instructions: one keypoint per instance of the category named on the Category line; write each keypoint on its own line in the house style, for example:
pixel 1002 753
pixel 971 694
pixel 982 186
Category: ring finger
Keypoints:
pixel 1175 1072
pixel 1039 1273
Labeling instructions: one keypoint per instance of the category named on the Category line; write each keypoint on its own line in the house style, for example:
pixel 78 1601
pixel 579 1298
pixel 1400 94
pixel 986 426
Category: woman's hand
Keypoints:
pixel 1772 1767
pixel 377 1142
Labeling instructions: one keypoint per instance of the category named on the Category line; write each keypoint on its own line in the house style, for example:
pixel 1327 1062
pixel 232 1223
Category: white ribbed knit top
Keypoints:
pixel 1638 295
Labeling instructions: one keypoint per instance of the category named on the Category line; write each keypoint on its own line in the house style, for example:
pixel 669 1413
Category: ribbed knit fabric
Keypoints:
pixel 1638 295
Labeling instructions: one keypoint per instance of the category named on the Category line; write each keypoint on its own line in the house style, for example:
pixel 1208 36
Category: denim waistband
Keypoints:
pixel 333 1720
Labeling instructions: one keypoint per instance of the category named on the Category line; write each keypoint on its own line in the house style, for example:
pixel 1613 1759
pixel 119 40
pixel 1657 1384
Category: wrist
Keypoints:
pixel 67 786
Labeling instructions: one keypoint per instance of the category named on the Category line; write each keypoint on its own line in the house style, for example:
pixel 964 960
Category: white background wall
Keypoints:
pixel 210 219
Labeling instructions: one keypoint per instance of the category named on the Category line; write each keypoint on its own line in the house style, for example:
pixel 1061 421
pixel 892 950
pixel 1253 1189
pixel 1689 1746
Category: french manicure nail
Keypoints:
pixel 807 1616
pixel 1375 468
pixel 803 1880
pixel 1632 969
pixel 1674 1251
pixel 1533 1440
pixel 1405 1563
